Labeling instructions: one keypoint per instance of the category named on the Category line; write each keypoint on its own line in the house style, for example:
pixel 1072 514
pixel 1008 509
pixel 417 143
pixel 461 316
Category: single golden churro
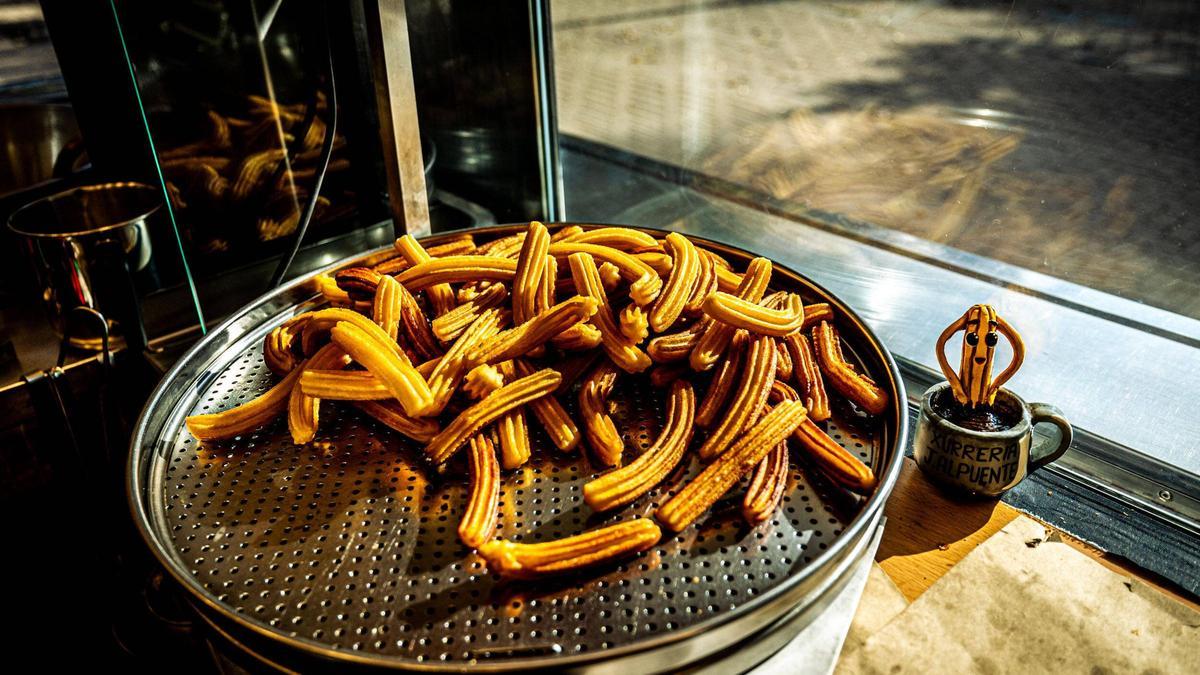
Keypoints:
pixel 566 232
pixel 723 380
pixel 706 284
pixel 416 326
pixel 478 523
pixel 519 340
pixel 717 335
pixel 246 417
pixel 554 418
pixel 661 263
pixel 816 313
pixel 393 369
pixel 680 284
pixel 343 385
pixel 857 387
pixel 451 369
pixel 715 480
pixel 610 275
pixel 513 428
pixel 531 264
pixel 834 461
pixel 279 347
pixel 303 409
pixel 624 353
pixel 766 485
pixel 645 283
pixel 752 316
pixel 450 325
pixel 727 280
pixel 527 561
pixel 441 296
pixel 809 382
pixel 482 380
pixel 320 322
pixel 754 384
pixel 391 415
pixel 358 282
pixel 602 434
pixel 580 337
pixel 622 486
pixel 677 346
pixel 487 410
pixel 388 306
pixel 620 238
pixel 784 366
pixel 547 286
pixel 457 269
pixel 634 323
pixel 504 247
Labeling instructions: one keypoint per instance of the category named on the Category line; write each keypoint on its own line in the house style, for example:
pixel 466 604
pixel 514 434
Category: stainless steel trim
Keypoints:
pixel 544 104
pixel 399 131
pixel 205 361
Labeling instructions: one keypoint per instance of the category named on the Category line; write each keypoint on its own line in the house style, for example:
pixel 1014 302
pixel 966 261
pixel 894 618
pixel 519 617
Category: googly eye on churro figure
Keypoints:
pixel 973 385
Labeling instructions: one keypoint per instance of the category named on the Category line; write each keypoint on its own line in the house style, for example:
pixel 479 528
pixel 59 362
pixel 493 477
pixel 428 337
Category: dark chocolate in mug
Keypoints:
pixel 986 463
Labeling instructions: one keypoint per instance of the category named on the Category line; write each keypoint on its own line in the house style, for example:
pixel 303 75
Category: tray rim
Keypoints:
pixel 142 448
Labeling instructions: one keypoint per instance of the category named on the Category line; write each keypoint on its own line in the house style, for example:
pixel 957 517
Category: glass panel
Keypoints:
pixel 918 157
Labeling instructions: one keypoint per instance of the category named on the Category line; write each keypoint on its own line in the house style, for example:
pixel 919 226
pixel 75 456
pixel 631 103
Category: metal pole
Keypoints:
pixel 387 34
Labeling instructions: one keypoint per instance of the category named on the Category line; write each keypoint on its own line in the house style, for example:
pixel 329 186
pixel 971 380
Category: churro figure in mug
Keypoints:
pixel 973 384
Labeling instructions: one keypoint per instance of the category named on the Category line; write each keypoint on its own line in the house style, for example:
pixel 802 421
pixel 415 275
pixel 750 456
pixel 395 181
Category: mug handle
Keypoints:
pixel 1044 413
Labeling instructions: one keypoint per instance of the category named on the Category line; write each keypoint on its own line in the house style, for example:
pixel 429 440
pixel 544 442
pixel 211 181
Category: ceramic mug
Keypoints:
pixel 986 463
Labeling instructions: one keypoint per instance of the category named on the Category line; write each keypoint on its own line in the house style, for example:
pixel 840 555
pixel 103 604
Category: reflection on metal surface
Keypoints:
pixel 387 30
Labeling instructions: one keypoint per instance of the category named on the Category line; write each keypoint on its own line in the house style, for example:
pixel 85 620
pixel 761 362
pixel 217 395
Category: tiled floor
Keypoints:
pixel 1067 142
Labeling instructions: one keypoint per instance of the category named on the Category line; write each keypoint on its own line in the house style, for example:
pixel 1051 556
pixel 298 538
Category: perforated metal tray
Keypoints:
pixel 345 551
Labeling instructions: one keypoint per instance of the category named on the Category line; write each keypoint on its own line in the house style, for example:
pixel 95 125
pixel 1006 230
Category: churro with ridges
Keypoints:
pixel 303 409
pixel 531 263
pixel 755 383
pixel 463 245
pixel 634 323
pixel 673 347
pixel 620 238
pixel 416 326
pixel 715 480
pixel 489 409
pixel 566 232
pixel 556 422
pixel 513 430
pixel 836 462
pixel 391 415
pixel 645 283
pixel 766 485
pixel 343 385
pixel 457 269
pixel 321 321
pixel 441 296
pixel 502 247
pixel 680 284
pixel 602 434
pixel 482 380
pixel 622 486
pixel 845 380
pixel 622 352
pixel 784 367
pixel 809 383
pixel 449 372
pixel 752 316
pixel 721 386
pixel 520 340
pixel 327 286
pixel 393 369
pixel 706 284
pixel 728 280
pixel 388 306
pixel 580 337
pixel 279 351
pixel 547 286
pixel 246 417
pixel 526 561
pixel 450 325
pixel 816 313
pixel 717 335
pixel 358 282
pixel 478 523
pixel 610 275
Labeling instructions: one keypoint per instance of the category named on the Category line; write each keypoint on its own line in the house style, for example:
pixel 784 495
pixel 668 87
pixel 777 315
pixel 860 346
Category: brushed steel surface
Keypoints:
pixel 347 548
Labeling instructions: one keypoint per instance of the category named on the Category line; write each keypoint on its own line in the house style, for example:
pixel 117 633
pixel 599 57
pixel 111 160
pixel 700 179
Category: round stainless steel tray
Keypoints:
pixel 345 552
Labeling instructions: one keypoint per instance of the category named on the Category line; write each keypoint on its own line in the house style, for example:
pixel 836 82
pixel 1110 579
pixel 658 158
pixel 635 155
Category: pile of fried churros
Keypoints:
pixel 451 345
